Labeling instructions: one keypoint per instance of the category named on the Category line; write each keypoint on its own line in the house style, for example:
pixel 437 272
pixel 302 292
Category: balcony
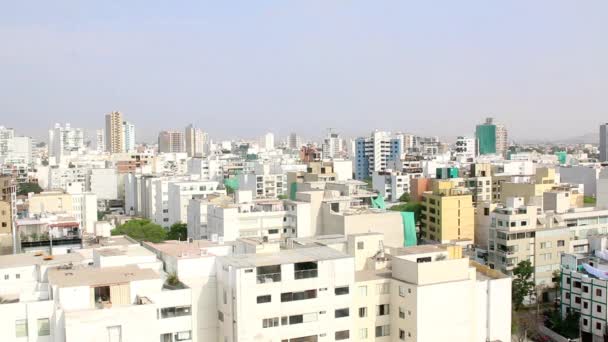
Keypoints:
pixel 305 270
pixel 268 274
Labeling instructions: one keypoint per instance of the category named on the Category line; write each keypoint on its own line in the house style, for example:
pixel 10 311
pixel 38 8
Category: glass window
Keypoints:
pixel 363 333
pixel 21 328
pixel 342 313
pixel 342 335
pixel 264 299
pixel 342 290
pixel 401 291
pixel 183 336
pixel 44 328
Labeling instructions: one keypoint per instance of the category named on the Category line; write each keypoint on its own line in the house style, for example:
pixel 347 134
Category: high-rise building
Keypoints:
pixel 332 145
pixel 171 142
pixel 268 141
pixel 196 141
pixel 604 142
pixel 294 141
pixel 465 148
pixel 114 133
pixel 100 140
pixel 65 140
pixel 7 136
pixel 491 138
pixel 373 153
pixel 129 136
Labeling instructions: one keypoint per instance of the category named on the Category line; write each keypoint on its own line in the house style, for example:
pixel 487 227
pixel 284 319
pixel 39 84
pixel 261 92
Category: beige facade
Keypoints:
pixel 114 133
pixel 447 214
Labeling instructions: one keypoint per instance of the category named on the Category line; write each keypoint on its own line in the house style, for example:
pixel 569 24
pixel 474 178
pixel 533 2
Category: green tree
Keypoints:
pixel 522 284
pixel 405 197
pixel 178 231
pixel 413 206
pixel 26 188
pixel 282 197
pixel 589 200
pixel 142 230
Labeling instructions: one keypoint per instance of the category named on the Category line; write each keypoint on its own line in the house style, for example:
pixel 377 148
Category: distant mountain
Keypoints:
pixel 589 138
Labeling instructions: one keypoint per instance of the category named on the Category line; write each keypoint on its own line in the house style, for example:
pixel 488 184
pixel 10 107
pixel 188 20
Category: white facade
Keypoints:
pixel 129 136
pixel 333 146
pixel 103 183
pixel 465 148
pixel 180 193
pixel 268 141
pixel 64 141
pixel 390 184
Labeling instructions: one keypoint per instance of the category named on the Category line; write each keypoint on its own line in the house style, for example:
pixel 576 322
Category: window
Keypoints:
pixel 577 284
pixel 585 305
pixel 383 289
pixel 401 291
pixel 486 211
pixel 382 309
pixel 402 334
pixel 598 292
pixel 401 313
pixel 294 296
pixel 577 299
pixel 183 336
pixel 363 312
pixel 17 276
pixel 360 245
pixel 296 319
pixel 598 326
pixel 598 308
pixel 342 313
pixel 225 297
pixel 115 333
pixel 166 337
pixel 273 231
pixel 270 322
pixel 560 243
pixel 585 289
pixel 567 295
pixel 6 277
pixel 21 328
pixel 175 311
pixel 383 330
pixel 264 299
pixel 546 244
pixel 342 335
pixel 342 290
pixel 44 328
pixel 363 333
pixel 363 291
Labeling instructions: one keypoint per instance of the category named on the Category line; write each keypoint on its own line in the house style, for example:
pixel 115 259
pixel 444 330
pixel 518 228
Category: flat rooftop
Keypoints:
pixel 420 249
pixel 288 256
pixel 30 259
pixel 117 240
pixel 94 276
pixel 186 249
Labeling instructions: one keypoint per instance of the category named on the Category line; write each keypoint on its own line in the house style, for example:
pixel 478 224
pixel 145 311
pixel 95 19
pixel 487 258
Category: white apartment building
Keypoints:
pixel 171 142
pixel 129 136
pixel 64 178
pixel 65 141
pixel 267 142
pixel 391 184
pixel 7 142
pixel 333 146
pixel 103 183
pixel 180 192
pixel 465 149
pixel 263 183
pixel 206 168
pixel 80 205
pixel 197 142
pixel 100 141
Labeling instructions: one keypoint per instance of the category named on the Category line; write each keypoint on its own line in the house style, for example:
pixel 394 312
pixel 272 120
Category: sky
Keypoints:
pixel 242 68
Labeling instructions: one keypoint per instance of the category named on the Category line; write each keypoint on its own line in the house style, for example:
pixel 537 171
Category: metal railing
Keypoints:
pixel 268 278
pixel 305 274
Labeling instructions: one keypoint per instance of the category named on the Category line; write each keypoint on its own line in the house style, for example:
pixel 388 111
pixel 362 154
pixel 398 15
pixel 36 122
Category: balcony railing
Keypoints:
pixel 268 278
pixel 304 274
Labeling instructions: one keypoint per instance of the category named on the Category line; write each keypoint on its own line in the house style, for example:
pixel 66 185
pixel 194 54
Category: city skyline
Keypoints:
pixel 244 70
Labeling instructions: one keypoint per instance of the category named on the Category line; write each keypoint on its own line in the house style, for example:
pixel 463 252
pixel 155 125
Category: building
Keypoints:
pixel 196 141
pixel 603 142
pixel 447 213
pixel 262 182
pixel 171 142
pixel 65 140
pixel 581 174
pixel 333 145
pixel 391 184
pixel 491 138
pixel 465 149
pixel 268 141
pixel 114 133
pixel 100 141
pixel 80 206
pixel 7 136
pixel 8 213
pixel 179 194
pixel 373 153
pixel 129 136
pixel 295 142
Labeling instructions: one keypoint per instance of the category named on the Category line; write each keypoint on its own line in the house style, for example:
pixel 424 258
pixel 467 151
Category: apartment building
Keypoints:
pixel 8 213
pixel 114 133
pixel 447 213
pixel 81 206
pixel 531 190
pixel 374 152
pixel 171 142
pixel 491 138
pixel 464 149
pixel 263 183
pixel 391 184
pixel 180 192
pixel 583 287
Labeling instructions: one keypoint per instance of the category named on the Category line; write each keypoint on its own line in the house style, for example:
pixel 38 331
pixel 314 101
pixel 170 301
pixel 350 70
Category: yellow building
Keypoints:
pixel 50 202
pixel 447 213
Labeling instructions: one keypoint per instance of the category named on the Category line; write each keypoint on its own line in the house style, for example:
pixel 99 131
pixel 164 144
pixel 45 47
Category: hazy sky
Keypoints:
pixel 241 68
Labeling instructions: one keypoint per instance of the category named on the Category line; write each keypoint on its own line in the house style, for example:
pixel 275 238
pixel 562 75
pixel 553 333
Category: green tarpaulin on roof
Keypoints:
pixel 378 202
pixel 231 183
pixel 409 229
pixel 561 157
pixel 293 188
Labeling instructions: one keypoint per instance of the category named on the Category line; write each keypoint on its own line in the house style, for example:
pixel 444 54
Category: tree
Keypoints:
pixel 26 188
pixel 522 284
pixel 405 197
pixel 282 197
pixel 526 325
pixel 178 231
pixel 142 230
